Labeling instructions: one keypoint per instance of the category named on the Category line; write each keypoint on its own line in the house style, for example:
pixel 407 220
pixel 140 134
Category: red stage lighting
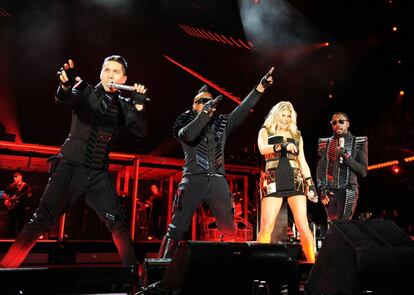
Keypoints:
pixel 395 169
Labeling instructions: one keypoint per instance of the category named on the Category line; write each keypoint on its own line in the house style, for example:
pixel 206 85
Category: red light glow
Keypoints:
pixel 205 80
pixel 215 37
pixel 395 169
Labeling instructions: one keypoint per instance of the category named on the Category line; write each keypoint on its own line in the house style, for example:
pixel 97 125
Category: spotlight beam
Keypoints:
pixel 205 80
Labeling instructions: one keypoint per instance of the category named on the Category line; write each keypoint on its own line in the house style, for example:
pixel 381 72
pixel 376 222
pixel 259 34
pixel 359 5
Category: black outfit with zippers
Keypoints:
pixel 338 175
pixel 81 168
pixel 203 140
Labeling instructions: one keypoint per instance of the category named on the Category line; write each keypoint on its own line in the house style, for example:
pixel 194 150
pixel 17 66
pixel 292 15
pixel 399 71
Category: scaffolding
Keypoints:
pixel 129 169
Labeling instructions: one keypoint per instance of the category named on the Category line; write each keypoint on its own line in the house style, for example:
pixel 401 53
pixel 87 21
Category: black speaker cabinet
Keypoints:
pixel 369 257
pixel 201 267
pixel 153 270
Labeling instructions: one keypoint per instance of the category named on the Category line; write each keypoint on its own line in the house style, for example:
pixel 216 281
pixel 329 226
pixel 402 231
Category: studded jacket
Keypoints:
pixel 203 138
pixel 334 172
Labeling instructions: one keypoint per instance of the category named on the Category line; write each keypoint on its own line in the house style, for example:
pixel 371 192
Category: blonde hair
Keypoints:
pixel 275 113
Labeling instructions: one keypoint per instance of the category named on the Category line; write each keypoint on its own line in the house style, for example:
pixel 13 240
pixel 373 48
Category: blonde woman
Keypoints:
pixel 286 175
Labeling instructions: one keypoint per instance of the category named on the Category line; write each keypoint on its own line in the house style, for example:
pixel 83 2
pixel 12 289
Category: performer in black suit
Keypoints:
pixel 343 158
pixel 81 167
pixel 202 135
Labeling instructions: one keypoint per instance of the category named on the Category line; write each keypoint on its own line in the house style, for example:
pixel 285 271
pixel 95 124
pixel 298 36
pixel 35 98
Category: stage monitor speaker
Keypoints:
pixel 201 267
pixel 363 257
pixel 153 270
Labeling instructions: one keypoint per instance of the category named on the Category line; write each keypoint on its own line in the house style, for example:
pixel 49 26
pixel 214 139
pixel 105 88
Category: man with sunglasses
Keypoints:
pixel 202 135
pixel 343 158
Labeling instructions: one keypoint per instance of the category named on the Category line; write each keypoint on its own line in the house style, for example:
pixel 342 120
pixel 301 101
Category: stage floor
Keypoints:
pixel 91 279
pixel 93 267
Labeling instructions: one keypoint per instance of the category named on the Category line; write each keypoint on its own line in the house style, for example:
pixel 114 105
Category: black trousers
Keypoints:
pixel 67 184
pixel 192 190
pixel 342 204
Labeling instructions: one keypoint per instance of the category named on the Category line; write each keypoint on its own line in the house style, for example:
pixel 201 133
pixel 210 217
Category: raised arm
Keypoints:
pixel 240 113
pixel 135 113
pixel 69 79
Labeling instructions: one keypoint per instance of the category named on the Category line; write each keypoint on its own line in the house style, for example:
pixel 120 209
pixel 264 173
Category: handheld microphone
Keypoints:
pixel 123 87
pixel 216 101
pixel 341 142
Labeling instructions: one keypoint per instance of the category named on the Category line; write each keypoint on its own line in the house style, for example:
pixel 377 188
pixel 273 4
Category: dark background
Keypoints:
pixel 364 69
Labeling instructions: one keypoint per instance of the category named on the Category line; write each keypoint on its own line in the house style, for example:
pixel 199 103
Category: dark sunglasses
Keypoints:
pixel 340 121
pixel 203 100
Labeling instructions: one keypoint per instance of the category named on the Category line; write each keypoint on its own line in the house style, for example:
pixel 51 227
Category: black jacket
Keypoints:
pixel 203 138
pixel 332 173
pixel 96 118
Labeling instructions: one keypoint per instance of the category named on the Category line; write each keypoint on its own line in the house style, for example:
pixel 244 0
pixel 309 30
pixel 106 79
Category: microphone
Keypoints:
pixel 341 142
pixel 216 100
pixel 123 87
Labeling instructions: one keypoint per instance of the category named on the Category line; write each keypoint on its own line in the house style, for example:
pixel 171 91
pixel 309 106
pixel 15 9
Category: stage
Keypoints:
pixel 357 257
pixel 93 267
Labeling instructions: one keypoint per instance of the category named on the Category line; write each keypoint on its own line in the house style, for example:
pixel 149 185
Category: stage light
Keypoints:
pixel 395 169
pixel 382 165
pixel 401 92
pixel 409 159
pixel 215 37
pixel 394 29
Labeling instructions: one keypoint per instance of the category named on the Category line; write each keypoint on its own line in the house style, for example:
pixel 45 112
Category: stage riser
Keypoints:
pixel 73 252
pixel 36 258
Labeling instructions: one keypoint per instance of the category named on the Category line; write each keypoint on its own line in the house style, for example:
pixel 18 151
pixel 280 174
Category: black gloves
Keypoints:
pixel 71 74
pixel 212 104
pixel 138 98
pixel 264 81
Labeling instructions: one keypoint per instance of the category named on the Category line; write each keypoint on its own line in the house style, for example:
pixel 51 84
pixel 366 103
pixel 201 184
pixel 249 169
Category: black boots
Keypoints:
pixel 167 248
